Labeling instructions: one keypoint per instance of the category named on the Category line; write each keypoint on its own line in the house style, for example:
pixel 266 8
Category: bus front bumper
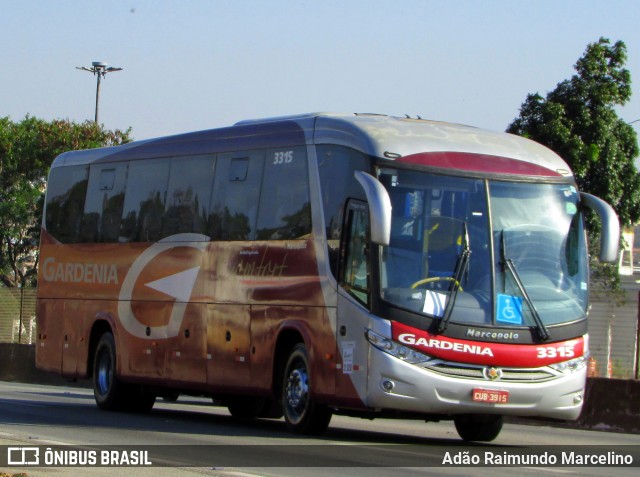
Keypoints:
pixel 397 385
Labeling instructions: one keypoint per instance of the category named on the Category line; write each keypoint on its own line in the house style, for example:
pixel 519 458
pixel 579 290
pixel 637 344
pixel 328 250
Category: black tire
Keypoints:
pixel 171 396
pixel 478 427
pixel 109 392
pixel 302 414
pixel 138 400
pixel 272 409
pixel 245 407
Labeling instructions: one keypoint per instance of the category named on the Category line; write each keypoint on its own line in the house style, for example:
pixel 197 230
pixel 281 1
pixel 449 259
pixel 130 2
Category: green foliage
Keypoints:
pixel 27 149
pixel 578 121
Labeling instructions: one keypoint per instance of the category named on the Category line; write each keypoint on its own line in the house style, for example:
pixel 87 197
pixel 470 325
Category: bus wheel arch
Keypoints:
pixel 250 407
pixel 100 327
pixel 287 340
pixel 110 393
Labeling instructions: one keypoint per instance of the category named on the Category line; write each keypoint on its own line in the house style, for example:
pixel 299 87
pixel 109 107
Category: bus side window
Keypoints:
pixel 105 198
pixel 187 206
pixel 285 208
pixel 336 165
pixel 234 200
pixel 65 202
pixel 355 269
pixel 144 201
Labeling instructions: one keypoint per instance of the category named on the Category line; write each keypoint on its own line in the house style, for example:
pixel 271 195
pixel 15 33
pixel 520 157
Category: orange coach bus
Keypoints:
pixel 323 264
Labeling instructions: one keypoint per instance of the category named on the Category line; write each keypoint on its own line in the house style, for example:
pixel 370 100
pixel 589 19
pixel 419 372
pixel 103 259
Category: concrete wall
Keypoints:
pixel 611 404
pixel 18 363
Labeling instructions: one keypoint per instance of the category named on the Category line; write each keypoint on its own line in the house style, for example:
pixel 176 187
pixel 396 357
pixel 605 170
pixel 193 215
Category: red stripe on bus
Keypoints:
pixel 491 354
pixel 464 161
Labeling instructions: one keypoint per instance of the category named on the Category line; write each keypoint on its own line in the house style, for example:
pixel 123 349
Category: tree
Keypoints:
pixel 27 149
pixel 578 121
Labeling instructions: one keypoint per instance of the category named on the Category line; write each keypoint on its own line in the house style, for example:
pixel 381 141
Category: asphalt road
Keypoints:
pixel 66 418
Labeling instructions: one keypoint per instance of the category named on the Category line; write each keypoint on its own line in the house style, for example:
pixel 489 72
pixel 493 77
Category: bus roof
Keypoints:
pixel 373 134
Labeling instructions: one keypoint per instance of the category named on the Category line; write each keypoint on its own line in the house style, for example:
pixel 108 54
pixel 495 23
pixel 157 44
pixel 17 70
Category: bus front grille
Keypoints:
pixel 471 371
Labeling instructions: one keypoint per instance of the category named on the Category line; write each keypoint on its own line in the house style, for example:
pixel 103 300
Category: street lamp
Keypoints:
pixel 100 70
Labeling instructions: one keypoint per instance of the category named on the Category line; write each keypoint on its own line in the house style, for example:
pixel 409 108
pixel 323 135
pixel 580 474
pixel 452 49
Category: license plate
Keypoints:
pixel 491 396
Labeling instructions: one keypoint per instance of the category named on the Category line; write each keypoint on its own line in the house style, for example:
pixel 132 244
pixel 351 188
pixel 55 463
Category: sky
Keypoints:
pixel 200 64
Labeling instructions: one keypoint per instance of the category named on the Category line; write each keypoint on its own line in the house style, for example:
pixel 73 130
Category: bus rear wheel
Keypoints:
pixel 110 393
pixel 478 427
pixel 302 414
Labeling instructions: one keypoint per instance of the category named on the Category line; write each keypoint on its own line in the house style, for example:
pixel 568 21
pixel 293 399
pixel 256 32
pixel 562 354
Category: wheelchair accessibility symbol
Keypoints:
pixel 509 309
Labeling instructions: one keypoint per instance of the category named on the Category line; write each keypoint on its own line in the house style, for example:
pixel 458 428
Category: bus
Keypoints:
pixel 320 264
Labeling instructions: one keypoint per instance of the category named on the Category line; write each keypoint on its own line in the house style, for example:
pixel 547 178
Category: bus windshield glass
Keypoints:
pixel 484 252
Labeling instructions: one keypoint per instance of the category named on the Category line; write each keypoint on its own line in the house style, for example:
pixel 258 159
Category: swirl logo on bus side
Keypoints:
pixel 179 285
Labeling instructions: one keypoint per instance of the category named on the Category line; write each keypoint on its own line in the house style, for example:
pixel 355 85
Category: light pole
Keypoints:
pixel 100 70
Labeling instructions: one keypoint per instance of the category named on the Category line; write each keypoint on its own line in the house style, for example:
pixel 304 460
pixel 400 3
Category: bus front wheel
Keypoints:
pixel 302 414
pixel 478 427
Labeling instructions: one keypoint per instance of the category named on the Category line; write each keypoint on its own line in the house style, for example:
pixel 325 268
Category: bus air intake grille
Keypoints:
pixel 470 371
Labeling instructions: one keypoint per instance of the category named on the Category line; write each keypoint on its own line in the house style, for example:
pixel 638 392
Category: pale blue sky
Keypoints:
pixel 199 64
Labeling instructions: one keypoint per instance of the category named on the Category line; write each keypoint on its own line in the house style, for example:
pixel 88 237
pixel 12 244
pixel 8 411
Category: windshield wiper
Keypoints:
pixel 507 263
pixel 462 267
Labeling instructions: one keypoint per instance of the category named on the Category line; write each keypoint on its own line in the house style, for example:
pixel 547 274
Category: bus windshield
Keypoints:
pixel 484 252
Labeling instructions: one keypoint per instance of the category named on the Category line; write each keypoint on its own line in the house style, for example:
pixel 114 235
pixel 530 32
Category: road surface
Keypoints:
pixel 67 417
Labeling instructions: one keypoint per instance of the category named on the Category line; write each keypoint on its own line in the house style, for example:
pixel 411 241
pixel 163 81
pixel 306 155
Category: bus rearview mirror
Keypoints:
pixel 610 234
pixel 379 207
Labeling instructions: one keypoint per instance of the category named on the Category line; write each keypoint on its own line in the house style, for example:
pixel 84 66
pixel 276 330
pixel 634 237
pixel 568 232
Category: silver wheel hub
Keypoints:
pixel 297 389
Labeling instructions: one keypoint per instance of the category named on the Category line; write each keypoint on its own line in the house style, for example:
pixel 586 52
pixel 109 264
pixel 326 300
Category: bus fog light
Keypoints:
pixel 387 385
pixel 577 398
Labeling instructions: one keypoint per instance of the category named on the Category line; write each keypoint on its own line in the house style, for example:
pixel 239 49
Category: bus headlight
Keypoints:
pixel 396 349
pixel 570 366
